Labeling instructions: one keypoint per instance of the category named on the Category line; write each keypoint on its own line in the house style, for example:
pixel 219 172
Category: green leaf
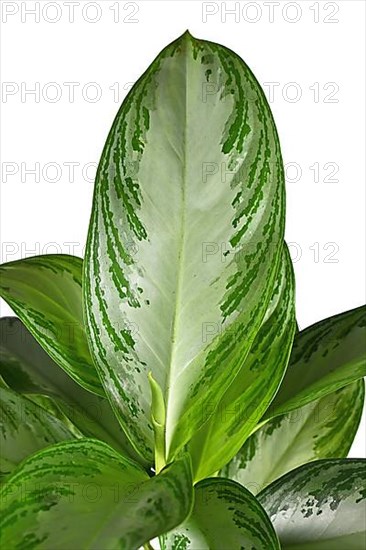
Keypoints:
pixel 84 495
pixel 45 292
pixel 27 369
pixel 158 421
pixel 324 428
pixel 254 387
pixel 51 406
pixel 185 237
pixel 319 506
pixel 25 428
pixel 325 357
pixel 225 515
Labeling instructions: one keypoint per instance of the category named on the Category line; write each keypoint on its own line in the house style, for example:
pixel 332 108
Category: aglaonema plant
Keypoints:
pixel 160 387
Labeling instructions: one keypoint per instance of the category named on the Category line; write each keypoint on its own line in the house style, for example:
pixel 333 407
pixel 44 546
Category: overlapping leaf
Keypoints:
pixel 45 292
pixel 254 387
pixel 82 494
pixel 319 506
pixel 225 515
pixel 25 428
pixel 324 428
pixel 325 357
pixel 27 369
pixel 185 237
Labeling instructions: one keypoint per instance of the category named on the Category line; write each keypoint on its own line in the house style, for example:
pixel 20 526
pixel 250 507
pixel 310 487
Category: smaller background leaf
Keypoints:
pixel 324 428
pixel 225 515
pixel 325 357
pixel 45 292
pixel 319 506
pixel 25 428
pixel 27 369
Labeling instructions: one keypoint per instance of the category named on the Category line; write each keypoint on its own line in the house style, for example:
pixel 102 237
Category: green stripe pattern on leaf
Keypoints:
pixel 324 428
pixel 319 506
pixel 225 515
pixel 325 357
pixel 185 237
pixel 84 495
pixel 45 292
pixel 25 428
pixel 254 387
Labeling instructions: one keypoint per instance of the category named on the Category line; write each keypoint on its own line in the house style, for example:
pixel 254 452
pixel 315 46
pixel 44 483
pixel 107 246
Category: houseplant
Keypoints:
pixel 171 359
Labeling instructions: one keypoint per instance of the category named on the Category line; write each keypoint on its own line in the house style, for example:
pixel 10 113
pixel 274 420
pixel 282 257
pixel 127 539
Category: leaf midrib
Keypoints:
pixel 181 255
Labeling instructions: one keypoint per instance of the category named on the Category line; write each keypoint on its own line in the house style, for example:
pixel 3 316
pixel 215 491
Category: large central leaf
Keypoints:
pixel 184 238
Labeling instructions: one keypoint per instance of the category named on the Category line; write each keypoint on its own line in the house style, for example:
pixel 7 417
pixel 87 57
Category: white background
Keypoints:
pixel 310 55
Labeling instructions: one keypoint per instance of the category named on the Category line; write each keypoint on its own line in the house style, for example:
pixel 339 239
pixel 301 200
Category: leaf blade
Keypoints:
pixel 129 508
pixel 225 515
pixel 322 429
pixel 325 357
pixel 319 505
pixel 45 292
pixel 29 370
pixel 24 429
pixel 255 385
pixel 153 268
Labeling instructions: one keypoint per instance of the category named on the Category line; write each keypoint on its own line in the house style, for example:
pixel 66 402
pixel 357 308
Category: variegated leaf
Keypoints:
pixel 185 237
pixel 84 495
pixel 324 428
pixel 225 516
pixel 254 387
pixel 45 292
pixel 325 357
pixel 25 428
pixel 28 369
pixel 320 506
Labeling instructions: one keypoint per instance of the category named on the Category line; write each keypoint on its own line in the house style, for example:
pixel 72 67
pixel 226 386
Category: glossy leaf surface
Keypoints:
pixel 225 515
pixel 254 387
pixel 85 495
pixel 325 357
pixel 25 428
pixel 324 428
pixel 184 239
pixel 45 292
pixel 28 369
pixel 319 506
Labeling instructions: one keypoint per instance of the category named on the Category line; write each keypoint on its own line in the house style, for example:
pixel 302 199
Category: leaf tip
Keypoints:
pixel 187 35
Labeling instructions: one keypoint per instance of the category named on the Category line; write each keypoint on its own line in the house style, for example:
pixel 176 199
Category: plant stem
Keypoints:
pixel 147 546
